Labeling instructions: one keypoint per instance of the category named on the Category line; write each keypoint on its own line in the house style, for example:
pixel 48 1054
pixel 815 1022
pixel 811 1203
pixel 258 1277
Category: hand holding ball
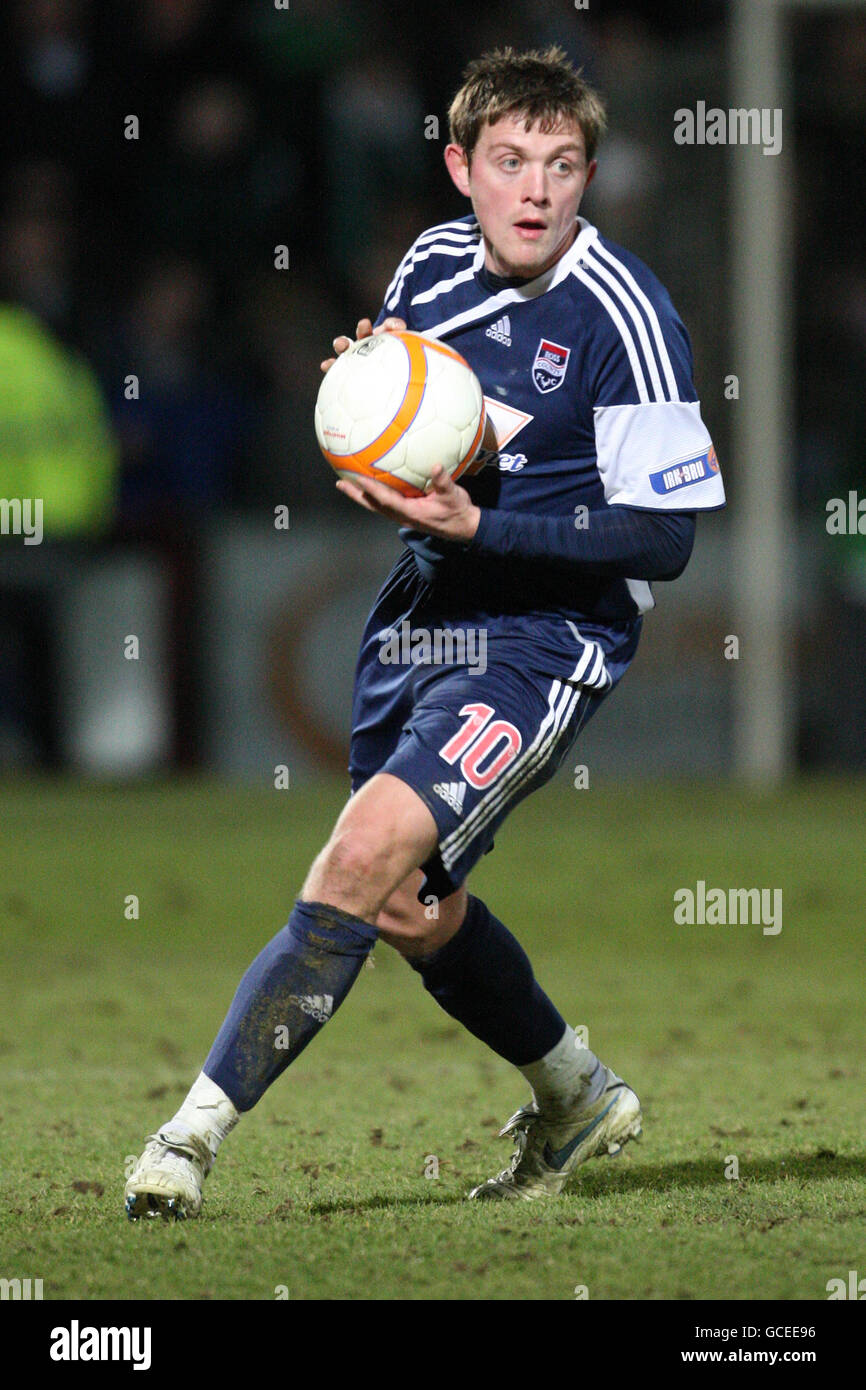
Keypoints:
pixel 393 405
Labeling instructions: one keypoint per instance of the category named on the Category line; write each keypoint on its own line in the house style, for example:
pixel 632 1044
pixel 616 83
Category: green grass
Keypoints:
pixel 738 1043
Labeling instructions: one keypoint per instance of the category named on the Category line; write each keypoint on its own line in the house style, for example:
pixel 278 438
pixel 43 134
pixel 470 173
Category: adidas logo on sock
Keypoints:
pixel 500 331
pixel 453 793
pixel 318 1006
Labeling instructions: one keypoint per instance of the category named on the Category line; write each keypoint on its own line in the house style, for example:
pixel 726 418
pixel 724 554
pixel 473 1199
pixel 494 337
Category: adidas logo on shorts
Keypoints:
pixel 453 793
pixel 500 331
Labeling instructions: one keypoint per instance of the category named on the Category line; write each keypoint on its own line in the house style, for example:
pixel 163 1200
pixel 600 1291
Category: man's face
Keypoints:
pixel 526 189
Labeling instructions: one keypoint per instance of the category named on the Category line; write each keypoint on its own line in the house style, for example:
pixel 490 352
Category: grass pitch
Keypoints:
pixel 348 1180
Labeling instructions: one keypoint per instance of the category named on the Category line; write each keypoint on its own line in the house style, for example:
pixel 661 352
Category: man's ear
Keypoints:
pixel 458 167
pixel 590 173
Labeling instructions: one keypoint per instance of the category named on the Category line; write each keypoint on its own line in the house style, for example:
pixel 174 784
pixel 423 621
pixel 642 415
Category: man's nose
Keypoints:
pixel 535 184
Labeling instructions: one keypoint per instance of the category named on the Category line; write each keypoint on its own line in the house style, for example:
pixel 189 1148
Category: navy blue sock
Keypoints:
pixel 291 989
pixel 483 978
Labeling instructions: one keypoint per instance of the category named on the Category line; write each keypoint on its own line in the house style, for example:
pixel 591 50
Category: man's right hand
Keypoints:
pixel 364 330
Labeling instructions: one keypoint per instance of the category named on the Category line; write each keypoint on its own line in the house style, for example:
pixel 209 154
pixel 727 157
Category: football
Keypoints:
pixel 395 404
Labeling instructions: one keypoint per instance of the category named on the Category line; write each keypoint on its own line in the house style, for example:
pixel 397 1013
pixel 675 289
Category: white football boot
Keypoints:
pixel 168 1178
pixel 548 1151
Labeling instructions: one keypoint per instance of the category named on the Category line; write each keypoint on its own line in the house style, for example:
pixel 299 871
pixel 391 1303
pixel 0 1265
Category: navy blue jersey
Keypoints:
pixel 587 374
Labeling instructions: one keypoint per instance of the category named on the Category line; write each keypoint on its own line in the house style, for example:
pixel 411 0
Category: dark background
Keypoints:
pixel 305 127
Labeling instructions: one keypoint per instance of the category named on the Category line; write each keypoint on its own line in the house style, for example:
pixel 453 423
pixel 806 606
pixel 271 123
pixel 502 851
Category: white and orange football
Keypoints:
pixel 395 404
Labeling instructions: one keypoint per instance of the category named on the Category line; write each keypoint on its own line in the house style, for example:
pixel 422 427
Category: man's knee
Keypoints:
pixel 382 834
pixel 417 929
pixel 352 872
pixel 354 854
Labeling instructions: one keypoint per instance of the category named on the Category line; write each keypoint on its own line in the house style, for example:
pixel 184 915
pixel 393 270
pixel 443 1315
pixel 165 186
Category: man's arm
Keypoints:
pixel 619 541
pixel 616 541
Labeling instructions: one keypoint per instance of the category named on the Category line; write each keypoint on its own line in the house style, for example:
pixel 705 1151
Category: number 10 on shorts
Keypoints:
pixel 478 741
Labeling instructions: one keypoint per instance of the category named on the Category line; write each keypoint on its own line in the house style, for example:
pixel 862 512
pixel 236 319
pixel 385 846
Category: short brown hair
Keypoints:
pixel 541 86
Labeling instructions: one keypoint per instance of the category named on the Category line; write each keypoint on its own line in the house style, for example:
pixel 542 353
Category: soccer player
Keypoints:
pixel 602 462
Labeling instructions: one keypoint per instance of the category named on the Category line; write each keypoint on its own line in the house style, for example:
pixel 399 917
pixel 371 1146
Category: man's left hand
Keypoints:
pixel 446 510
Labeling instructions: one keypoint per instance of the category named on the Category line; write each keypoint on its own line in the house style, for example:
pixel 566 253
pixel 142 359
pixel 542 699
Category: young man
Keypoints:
pixel 602 461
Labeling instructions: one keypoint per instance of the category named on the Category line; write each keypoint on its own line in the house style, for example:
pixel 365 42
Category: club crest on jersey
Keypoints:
pixel 549 367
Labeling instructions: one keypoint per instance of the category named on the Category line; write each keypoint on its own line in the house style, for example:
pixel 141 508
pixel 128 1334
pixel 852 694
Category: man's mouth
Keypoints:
pixel 531 227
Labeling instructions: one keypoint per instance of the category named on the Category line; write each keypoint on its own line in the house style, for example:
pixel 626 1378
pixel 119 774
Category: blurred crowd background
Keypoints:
pixel 158 372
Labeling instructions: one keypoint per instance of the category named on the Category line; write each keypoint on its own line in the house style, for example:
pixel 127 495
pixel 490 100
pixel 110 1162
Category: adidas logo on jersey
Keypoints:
pixel 500 331
pixel 318 1006
pixel 453 793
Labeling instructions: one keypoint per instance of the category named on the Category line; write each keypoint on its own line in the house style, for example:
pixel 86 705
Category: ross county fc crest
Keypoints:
pixel 549 367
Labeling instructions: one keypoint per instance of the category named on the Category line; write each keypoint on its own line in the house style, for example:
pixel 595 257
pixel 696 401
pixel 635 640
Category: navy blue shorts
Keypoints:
pixel 475 722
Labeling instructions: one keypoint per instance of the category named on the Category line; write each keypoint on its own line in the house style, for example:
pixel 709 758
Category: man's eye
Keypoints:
pixel 510 163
